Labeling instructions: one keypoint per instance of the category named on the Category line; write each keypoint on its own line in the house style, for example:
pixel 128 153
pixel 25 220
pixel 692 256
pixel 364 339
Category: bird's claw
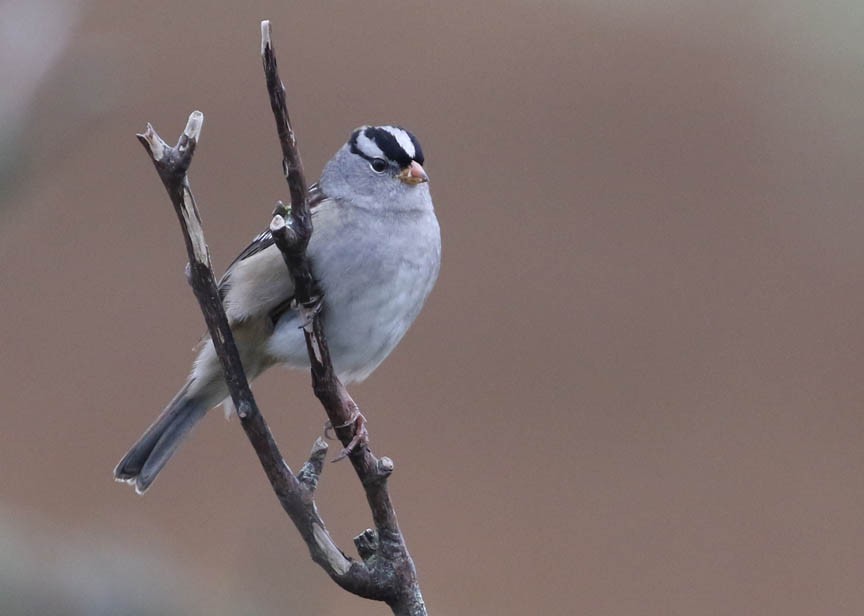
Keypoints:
pixel 309 310
pixel 361 436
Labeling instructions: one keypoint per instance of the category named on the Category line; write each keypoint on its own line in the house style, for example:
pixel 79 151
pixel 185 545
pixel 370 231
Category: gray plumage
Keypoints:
pixel 375 251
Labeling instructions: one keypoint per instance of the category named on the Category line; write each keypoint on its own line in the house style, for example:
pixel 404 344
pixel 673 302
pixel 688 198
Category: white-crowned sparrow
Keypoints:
pixel 375 251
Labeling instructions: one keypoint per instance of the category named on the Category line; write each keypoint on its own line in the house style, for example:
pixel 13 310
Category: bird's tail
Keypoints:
pixel 205 389
pixel 156 446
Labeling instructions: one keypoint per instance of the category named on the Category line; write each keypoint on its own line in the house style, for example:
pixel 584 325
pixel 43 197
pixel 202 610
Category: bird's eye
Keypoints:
pixel 378 165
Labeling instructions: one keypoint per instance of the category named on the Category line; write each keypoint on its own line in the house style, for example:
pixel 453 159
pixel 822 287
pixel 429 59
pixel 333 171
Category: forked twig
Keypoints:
pixel 385 571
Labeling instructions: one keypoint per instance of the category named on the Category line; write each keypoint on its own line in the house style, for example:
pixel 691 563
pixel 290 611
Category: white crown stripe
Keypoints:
pixel 402 139
pixel 368 146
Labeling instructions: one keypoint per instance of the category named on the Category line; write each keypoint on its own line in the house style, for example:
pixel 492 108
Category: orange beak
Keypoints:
pixel 413 174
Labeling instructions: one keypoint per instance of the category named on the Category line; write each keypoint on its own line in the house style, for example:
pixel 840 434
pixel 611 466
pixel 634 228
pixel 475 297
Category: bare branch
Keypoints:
pixel 294 492
pixel 384 549
pixel 386 572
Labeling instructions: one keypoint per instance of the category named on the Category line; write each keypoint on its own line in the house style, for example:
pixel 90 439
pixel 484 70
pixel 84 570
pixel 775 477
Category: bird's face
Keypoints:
pixel 379 166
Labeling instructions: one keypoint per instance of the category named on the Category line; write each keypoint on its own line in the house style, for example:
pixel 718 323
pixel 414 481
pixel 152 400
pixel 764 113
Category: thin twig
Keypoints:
pixel 386 571
pixel 386 555
pixel 293 491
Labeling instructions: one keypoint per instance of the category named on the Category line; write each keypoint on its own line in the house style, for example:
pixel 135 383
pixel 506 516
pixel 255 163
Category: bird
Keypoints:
pixel 375 252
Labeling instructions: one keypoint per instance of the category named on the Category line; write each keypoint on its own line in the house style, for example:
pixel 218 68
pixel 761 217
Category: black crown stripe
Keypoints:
pixel 387 143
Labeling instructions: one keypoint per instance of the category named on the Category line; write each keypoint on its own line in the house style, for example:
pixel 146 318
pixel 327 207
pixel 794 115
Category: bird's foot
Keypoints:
pixel 360 438
pixel 308 311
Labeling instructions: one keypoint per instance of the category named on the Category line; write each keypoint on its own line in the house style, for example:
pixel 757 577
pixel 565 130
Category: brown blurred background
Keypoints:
pixel 636 389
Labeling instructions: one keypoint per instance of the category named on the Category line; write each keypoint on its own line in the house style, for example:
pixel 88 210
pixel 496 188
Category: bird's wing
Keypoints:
pixel 264 240
pixel 257 281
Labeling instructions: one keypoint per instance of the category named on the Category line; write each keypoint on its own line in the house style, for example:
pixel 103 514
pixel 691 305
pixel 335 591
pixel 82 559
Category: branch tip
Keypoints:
pixel 152 142
pixel 315 464
pixel 193 125
pixel 277 224
pixel 385 466
pixel 265 36
pixel 312 468
pixel 366 543
pixel 319 446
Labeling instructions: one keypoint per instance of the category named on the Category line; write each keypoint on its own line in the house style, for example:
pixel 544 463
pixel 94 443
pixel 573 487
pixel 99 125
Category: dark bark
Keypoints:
pixel 385 571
